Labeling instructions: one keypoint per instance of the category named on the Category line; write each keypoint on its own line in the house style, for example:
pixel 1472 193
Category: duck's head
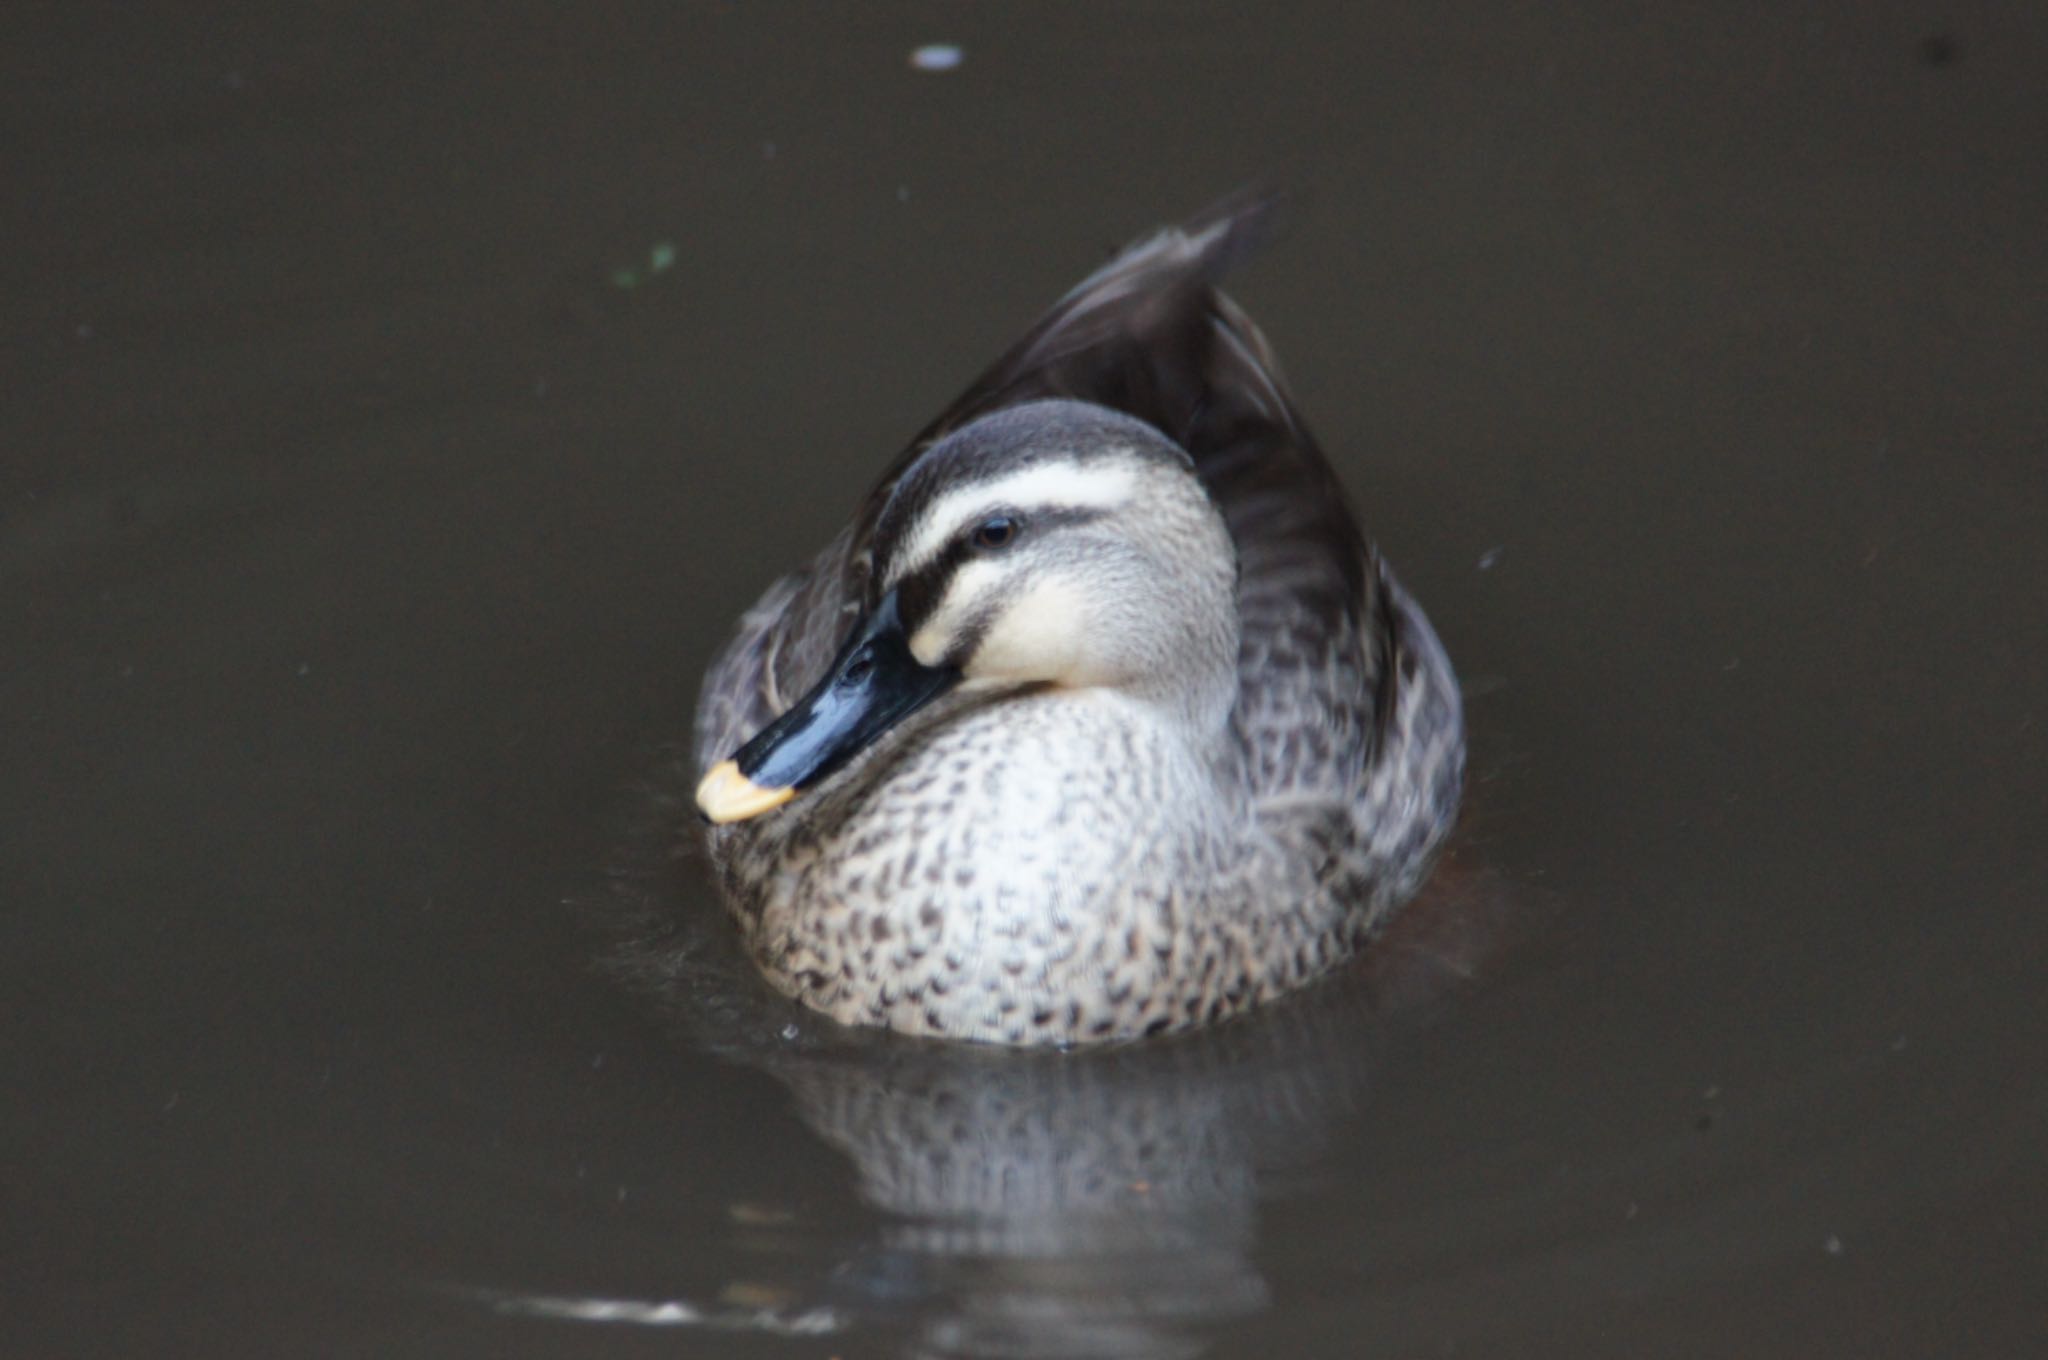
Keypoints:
pixel 1050 544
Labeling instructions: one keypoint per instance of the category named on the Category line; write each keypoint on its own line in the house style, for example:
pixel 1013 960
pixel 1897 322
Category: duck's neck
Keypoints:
pixel 1201 715
pixel 1193 695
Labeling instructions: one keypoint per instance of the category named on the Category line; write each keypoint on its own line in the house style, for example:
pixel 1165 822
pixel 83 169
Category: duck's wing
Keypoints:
pixel 1149 334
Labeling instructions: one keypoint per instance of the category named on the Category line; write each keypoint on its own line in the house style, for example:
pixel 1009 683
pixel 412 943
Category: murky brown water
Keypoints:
pixel 401 400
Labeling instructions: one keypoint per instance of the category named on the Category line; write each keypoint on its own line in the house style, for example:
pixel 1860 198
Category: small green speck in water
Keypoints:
pixel 660 258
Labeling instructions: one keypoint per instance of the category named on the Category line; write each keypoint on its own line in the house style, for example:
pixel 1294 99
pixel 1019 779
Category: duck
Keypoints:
pixel 1102 718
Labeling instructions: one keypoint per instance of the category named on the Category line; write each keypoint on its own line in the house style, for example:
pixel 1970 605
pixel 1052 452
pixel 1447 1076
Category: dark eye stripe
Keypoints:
pixel 920 592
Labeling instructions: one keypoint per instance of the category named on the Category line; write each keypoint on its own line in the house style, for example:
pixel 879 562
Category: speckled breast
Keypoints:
pixel 1054 868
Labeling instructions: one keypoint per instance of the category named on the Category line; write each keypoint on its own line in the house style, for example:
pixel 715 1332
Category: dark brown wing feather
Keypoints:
pixel 1149 334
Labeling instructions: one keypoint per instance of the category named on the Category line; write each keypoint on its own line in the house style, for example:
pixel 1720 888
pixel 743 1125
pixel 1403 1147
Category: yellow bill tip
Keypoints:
pixel 726 795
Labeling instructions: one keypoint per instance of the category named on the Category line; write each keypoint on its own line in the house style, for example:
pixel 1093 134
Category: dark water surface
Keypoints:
pixel 400 400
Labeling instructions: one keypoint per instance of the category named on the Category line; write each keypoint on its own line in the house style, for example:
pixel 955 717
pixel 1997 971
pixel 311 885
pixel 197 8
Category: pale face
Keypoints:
pixel 1075 573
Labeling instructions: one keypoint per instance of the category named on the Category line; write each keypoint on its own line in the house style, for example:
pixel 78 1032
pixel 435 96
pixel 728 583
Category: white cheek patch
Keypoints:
pixel 1038 635
pixel 1102 484
pixel 1035 634
pixel 935 638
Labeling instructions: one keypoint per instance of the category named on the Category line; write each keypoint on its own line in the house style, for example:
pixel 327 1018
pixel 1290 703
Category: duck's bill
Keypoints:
pixel 726 795
pixel 873 684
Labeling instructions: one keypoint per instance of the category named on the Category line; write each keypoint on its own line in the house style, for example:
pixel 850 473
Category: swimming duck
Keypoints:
pixel 1102 718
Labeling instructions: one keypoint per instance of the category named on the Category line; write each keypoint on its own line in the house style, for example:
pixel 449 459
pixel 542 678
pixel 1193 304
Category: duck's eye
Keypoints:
pixel 994 533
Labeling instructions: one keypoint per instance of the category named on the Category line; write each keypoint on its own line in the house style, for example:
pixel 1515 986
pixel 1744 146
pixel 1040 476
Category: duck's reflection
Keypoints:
pixel 1078 1204
pixel 1040 1205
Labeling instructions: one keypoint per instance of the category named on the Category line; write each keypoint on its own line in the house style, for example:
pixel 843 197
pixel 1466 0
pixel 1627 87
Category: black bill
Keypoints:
pixel 873 684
